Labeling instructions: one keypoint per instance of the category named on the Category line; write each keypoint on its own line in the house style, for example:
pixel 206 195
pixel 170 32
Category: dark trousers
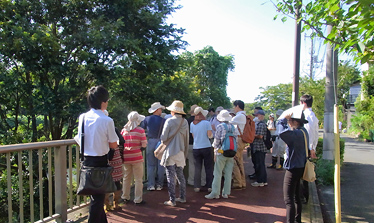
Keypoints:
pixel 252 154
pixel 205 155
pixel 96 211
pixel 305 190
pixel 291 192
pixel 260 166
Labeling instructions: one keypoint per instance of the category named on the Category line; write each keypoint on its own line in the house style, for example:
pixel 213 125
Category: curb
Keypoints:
pixel 311 212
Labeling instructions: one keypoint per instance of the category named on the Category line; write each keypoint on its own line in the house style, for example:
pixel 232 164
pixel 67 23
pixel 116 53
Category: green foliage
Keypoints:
pixel 325 169
pixel 352 23
pixel 363 120
pixel 208 72
pixel 52 53
pixel 276 97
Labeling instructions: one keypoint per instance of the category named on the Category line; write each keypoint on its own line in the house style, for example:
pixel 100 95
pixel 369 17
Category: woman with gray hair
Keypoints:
pixel 175 153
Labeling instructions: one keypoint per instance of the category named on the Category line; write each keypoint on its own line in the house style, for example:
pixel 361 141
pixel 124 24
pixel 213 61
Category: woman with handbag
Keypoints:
pixel 99 137
pixel 176 133
pixel 135 139
pixel 296 139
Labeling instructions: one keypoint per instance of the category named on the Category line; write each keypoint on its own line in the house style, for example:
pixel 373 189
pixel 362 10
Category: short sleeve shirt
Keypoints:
pixel 199 131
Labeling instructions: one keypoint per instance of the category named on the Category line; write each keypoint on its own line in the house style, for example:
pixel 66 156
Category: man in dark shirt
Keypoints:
pixel 154 126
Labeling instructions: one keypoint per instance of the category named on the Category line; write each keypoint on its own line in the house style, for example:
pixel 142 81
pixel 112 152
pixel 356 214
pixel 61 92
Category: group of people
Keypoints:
pixel 195 141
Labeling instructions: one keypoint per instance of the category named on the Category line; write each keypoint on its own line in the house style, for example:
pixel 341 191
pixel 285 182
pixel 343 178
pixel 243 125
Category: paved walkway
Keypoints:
pixel 357 183
pixel 263 204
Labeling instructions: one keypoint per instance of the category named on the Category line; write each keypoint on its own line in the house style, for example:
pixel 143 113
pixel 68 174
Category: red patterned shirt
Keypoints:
pixel 133 140
pixel 116 163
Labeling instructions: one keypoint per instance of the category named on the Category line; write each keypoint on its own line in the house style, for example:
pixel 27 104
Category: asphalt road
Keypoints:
pixel 357 183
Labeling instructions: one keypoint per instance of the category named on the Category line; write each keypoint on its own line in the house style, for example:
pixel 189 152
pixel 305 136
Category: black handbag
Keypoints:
pixel 94 180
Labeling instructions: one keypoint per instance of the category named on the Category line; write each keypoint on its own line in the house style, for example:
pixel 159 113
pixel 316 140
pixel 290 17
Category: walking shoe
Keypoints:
pixel 151 188
pixel 256 184
pixel 197 189
pixel 224 196
pixel 209 189
pixel 265 184
pixel 180 200
pixel 271 166
pixel 211 196
pixel 279 167
pixel 140 203
pixel 252 176
pixel 159 187
pixel 170 203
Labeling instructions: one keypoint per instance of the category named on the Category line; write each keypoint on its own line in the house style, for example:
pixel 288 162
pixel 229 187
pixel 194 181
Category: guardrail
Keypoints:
pixel 51 169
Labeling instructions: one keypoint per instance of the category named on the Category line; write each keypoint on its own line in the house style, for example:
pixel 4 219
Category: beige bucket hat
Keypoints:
pixel 177 106
pixel 200 109
pixel 134 120
pixel 224 116
pixel 155 106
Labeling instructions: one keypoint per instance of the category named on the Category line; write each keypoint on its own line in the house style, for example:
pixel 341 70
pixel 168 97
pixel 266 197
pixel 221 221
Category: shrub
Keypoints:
pixel 325 169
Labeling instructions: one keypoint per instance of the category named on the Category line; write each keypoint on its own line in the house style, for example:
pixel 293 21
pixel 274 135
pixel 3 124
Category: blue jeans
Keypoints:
pixel 173 172
pixel 154 170
pixel 205 155
pixel 222 164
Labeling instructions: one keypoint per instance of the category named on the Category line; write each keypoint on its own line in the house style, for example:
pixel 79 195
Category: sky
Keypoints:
pixel 263 48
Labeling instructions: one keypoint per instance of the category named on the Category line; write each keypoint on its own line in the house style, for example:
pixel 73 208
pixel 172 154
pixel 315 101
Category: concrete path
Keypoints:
pixel 357 183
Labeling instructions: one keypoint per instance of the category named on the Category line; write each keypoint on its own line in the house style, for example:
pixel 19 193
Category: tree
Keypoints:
pixel 275 97
pixel 209 71
pixel 57 50
pixel 363 120
pixel 352 23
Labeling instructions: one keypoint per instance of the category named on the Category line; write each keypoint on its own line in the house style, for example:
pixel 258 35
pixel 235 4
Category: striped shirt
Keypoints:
pixel 133 140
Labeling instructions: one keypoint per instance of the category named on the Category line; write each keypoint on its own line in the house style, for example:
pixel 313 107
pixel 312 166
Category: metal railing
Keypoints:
pixel 52 171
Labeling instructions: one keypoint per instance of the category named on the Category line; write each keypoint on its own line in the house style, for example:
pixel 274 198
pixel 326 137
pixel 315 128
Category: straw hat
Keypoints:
pixel 177 106
pixel 198 110
pixel 191 112
pixel 155 107
pixel 134 120
pixel 224 116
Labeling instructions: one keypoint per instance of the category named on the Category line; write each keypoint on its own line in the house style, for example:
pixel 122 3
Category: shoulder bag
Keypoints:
pixel 94 180
pixel 309 173
pixel 159 151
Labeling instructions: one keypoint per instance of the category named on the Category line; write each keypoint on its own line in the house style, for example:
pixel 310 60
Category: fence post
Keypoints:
pixel 61 204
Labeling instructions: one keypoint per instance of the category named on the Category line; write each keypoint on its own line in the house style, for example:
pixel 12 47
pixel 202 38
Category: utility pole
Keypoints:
pixel 330 100
pixel 297 57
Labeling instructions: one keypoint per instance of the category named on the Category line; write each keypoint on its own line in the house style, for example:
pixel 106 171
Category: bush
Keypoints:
pixel 325 169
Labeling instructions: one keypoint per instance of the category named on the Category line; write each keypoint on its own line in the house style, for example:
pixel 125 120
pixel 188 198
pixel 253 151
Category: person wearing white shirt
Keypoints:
pixel 100 136
pixel 239 121
pixel 312 128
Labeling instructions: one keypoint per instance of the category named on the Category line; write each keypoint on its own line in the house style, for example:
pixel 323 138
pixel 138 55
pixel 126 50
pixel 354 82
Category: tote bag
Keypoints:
pixel 309 173
pixel 159 151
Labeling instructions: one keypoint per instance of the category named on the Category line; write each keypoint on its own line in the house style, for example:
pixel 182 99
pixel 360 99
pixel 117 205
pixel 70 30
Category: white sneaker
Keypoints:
pixel 159 187
pixel 256 184
pixel 151 188
pixel 211 196
pixel 197 189
pixel 170 203
pixel 224 196
pixel 265 184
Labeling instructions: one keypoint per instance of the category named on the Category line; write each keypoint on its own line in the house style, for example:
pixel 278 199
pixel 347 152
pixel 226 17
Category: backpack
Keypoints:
pixel 248 134
pixel 268 140
pixel 229 145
